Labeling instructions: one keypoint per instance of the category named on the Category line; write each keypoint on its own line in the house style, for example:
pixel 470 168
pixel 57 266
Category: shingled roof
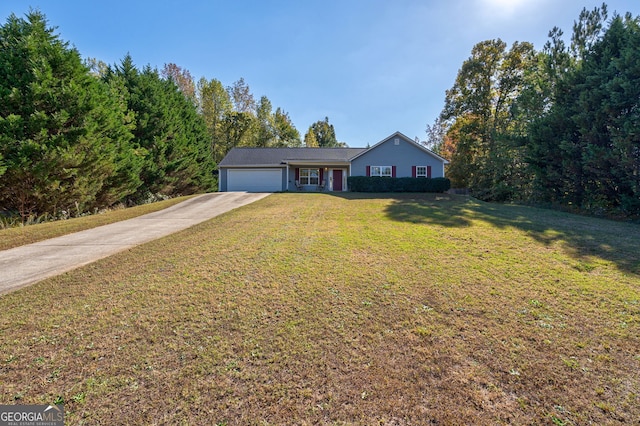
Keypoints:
pixel 278 156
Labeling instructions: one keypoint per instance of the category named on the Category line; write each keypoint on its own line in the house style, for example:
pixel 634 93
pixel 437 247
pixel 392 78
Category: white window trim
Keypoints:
pixel 307 178
pixel 418 174
pixel 378 171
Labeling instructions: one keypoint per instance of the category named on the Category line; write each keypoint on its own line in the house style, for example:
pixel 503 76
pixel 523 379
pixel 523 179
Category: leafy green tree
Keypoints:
pixel 274 129
pixel 61 130
pixel 240 124
pixel 479 113
pixel 265 132
pixel 214 104
pixel 310 140
pixel 285 133
pixel 238 130
pixel 324 134
pixel 465 136
pixel 234 119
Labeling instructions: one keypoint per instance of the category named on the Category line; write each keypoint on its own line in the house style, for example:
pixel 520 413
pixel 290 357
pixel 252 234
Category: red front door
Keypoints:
pixel 337 180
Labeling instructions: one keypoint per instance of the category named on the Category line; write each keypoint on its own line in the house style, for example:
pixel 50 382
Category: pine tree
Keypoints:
pixel 586 151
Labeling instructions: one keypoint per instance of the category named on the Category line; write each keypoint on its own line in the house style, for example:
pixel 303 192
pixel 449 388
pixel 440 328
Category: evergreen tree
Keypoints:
pixel 61 130
pixel 171 134
pixel 586 150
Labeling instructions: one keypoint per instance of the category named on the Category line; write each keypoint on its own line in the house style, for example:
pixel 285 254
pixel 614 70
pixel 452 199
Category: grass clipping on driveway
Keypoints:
pixel 319 309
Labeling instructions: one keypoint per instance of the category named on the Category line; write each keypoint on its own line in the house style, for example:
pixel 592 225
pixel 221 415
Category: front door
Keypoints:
pixel 337 180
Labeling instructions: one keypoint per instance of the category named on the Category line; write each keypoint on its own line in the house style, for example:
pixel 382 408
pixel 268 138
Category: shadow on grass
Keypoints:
pixel 437 209
pixel 582 237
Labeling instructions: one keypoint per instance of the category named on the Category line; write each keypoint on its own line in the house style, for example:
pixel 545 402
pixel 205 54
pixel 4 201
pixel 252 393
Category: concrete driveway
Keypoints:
pixel 28 264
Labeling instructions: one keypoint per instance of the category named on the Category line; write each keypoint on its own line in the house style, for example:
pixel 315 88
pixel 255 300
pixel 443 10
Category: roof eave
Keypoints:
pixel 319 162
pixel 252 165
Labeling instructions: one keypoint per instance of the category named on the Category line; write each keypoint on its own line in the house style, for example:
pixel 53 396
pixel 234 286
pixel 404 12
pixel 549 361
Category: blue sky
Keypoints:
pixel 372 66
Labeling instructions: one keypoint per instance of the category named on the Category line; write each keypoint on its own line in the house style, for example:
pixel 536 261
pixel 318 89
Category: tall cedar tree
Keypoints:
pixel 63 135
pixel 172 135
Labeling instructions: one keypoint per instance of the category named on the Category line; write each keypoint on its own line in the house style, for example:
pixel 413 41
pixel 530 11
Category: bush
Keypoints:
pixel 404 184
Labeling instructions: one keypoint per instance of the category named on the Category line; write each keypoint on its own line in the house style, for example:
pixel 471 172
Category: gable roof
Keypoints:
pixel 278 156
pixel 406 139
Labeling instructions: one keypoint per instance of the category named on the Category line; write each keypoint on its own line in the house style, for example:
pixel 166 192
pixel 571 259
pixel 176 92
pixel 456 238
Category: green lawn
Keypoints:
pixel 354 309
pixel 21 235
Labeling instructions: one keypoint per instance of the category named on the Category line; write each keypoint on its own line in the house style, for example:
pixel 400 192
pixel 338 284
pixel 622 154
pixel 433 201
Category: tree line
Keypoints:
pixel 77 136
pixel 556 127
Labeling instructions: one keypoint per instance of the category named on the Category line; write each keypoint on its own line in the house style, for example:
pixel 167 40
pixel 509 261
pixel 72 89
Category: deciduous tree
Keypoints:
pixel 214 104
pixel 286 133
pixel 182 78
pixel 324 134
pixel 479 112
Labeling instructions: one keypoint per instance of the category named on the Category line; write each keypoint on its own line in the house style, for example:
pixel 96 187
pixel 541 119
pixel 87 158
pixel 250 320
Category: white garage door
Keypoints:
pixel 254 180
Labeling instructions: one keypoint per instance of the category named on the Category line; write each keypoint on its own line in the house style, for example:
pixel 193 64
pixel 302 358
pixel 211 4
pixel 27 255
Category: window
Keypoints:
pixel 309 176
pixel 421 171
pixel 381 171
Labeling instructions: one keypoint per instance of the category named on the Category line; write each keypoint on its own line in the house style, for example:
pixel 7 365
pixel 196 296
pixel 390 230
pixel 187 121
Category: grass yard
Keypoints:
pixel 346 310
pixel 21 235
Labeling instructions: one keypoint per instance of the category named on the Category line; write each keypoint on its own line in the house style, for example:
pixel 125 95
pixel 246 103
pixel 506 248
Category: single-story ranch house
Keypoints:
pixel 324 169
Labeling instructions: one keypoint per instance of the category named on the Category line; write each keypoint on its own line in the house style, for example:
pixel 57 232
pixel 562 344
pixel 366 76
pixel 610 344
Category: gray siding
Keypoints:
pixel 222 180
pixel 404 155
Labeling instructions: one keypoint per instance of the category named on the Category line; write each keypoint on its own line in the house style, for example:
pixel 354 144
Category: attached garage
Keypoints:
pixel 254 180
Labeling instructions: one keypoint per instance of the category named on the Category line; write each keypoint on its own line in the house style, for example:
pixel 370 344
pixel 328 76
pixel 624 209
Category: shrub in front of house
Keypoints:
pixel 403 184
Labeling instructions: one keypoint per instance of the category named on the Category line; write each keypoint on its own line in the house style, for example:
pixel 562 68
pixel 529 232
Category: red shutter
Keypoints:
pixel 368 170
pixel 321 176
pixel 428 171
pixel 393 171
pixel 297 175
pixel 413 171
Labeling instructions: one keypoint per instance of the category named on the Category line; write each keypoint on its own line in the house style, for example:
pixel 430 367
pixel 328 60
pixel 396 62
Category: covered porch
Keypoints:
pixel 317 176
